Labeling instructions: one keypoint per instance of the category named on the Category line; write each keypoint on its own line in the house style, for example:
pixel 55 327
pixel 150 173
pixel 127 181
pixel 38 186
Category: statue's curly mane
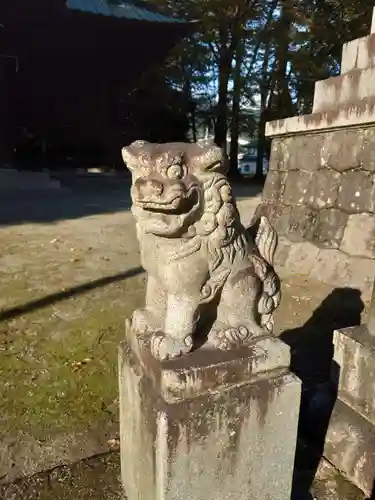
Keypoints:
pixel 220 226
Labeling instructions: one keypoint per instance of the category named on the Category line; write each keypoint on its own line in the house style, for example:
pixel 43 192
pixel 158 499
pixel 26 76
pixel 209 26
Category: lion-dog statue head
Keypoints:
pixel 180 190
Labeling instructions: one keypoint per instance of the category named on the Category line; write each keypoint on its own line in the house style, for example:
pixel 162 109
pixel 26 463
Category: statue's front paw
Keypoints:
pixel 230 338
pixel 143 321
pixel 164 347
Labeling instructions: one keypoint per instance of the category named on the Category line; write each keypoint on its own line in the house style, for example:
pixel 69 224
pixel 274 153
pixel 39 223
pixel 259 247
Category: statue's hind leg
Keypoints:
pixel 238 321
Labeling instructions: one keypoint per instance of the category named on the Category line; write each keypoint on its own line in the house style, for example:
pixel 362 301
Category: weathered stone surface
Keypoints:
pixel 341 150
pixel 329 228
pixel 265 209
pixel 356 192
pixel 329 484
pixel 302 222
pixel 296 187
pixel 281 219
pixel 301 152
pixel 359 236
pixel 274 186
pixel 360 113
pixel 337 268
pixel 371 314
pixel 368 149
pixel 338 90
pixel 301 258
pixel 350 446
pixel 277 214
pixel 358 54
pixel 209 426
pixel 326 265
pixel 323 189
pixel 282 252
pixel 277 157
pixel 195 249
pixel 354 352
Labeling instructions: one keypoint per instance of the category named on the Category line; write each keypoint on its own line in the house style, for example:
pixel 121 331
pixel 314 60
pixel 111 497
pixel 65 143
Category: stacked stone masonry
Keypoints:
pixel 320 197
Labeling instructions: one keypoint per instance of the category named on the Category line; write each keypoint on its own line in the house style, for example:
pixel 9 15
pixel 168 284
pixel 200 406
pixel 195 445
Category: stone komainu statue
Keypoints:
pixel 198 256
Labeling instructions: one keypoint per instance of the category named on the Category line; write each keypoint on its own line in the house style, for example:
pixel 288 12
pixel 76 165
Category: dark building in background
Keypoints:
pixel 67 67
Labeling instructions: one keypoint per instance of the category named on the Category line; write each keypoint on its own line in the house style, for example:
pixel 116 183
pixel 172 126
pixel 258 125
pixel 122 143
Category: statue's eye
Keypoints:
pixel 175 172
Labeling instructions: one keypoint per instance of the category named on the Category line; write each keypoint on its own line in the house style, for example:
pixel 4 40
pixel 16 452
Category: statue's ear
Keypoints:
pixel 131 154
pixel 128 158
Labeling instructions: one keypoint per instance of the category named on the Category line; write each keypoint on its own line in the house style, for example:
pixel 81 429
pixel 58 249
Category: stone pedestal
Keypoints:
pixel 208 426
pixel 350 441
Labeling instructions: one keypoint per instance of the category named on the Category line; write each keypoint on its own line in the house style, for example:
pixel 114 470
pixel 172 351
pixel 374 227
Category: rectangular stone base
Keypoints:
pixel 209 426
pixel 354 353
pixel 350 446
pixel 350 440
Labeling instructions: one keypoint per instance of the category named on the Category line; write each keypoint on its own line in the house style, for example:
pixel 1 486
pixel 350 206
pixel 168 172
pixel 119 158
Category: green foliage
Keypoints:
pixel 248 61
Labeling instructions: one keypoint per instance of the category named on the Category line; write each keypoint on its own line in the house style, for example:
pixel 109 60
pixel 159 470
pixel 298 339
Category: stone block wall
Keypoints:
pixel 320 196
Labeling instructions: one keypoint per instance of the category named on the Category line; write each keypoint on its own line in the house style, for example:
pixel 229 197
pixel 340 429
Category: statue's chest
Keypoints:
pixel 160 256
pixel 152 255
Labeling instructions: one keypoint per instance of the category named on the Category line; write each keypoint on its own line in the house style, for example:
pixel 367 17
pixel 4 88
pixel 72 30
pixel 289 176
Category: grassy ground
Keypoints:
pixel 66 290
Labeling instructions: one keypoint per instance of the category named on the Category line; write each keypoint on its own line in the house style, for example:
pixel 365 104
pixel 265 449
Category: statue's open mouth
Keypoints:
pixel 178 205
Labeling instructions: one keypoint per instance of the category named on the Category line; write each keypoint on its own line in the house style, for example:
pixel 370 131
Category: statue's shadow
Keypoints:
pixel 312 361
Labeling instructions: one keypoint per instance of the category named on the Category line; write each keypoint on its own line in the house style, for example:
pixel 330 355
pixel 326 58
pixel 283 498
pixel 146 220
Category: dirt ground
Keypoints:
pixel 70 274
pixel 98 478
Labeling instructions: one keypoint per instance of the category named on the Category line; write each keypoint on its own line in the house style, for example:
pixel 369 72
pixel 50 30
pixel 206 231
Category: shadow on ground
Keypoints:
pixel 97 478
pixel 50 206
pixel 67 294
pixel 46 205
pixel 311 360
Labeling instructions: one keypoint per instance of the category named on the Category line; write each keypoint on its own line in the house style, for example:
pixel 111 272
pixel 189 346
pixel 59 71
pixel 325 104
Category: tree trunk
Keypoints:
pixel 265 88
pixel 264 94
pixel 225 66
pixel 193 124
pixel 281 98
pixel 235 123
pixel 191 106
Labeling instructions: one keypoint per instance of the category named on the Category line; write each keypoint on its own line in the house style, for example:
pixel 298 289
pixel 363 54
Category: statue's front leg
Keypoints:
pixel 176 338
pixel 151 317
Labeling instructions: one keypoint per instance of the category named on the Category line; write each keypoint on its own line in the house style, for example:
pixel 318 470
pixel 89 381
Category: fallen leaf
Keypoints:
pixel 77 365
pixel 114 444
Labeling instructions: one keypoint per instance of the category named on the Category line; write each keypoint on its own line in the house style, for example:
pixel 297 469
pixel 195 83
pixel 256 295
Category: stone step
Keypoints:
pixel 329 484
pixel 350 87
pixel 354 349
pixel 350 446
pixel 349 114
pixel 358 54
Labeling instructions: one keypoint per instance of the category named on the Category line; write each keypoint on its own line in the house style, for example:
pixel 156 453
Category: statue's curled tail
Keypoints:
pixel 266 243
